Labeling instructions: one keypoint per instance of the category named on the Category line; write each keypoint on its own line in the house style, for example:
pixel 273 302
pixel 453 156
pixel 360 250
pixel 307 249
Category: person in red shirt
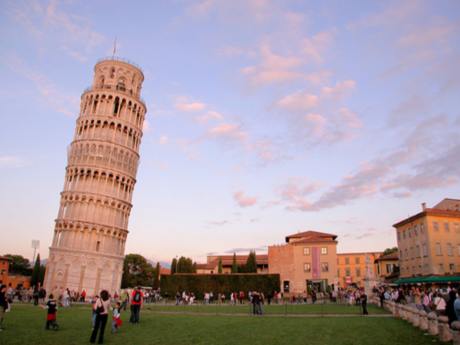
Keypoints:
pixel 137 298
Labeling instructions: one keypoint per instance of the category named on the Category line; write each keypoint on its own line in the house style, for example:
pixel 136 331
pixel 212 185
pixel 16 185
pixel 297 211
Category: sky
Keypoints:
pixel 264 118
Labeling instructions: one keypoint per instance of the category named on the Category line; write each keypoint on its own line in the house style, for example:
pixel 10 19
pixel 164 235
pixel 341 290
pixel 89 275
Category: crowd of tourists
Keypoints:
pixel 440 301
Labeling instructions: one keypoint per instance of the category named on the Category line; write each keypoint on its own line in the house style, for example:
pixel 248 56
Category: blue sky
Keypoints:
pixel 264 117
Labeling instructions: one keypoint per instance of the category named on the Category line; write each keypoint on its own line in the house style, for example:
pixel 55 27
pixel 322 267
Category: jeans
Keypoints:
pixel 101 321
pixel 135 313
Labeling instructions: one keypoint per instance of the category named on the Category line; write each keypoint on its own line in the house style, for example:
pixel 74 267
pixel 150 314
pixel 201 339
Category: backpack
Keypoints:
pixel 137 296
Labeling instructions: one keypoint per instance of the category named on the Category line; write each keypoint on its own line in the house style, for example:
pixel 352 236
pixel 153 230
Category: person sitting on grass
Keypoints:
pixel 116 317
pixel 51 307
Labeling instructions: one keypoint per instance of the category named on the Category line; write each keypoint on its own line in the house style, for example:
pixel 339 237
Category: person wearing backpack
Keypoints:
pixel 137 298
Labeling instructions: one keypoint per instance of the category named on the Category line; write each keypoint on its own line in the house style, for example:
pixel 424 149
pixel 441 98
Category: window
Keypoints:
pixel 112 73
pixel 452 268
pixel 417 250
pixel 389 268
pixel 347 271
pixel 457 228
pixel 286 286
pixel 306 267
pixel 401 254
pixel 425 249
pixel 358 272
pixel 324 250
pixel 437 247
pixel 324 267
pixel 441 268
pixel 357 260
pixel 458 249
pixel 399 236
pixel 98 245
pixel 446 227
pixel 422 228
pixel 347 261
pixel 416 230
pixel 435 226
pixel 404 235
pixel 306 251
pixel 450 250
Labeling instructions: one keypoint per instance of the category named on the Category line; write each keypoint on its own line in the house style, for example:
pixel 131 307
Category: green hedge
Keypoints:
pixel 218 283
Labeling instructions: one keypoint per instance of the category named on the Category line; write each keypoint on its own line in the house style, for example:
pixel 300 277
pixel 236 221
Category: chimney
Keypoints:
pixel 423 206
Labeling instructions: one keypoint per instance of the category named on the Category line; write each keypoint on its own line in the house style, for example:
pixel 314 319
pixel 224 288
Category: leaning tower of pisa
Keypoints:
pixel 92 224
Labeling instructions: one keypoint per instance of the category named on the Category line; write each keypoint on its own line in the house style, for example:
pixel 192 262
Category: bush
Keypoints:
pixel 218 283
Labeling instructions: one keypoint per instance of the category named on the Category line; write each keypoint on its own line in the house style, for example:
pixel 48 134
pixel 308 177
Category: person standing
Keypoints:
pixel 102 307
pixel 3 304
pixel 450 311
pixel 51 313
pixel 363 299
pixel 137 298
pixel 457 306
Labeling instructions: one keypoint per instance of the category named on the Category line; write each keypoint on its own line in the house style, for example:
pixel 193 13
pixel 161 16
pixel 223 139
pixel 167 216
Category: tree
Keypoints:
pixel 19 265
pixel 219 266
pixel 136 271
pixel 38 273
pixel 173 266
pixel 185 265
pixel 251 263
pixel 234 264
pixel 156 277
pixel 390 250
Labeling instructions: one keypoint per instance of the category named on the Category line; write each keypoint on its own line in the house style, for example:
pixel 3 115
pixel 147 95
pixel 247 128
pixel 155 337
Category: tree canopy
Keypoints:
pixel 38 273
pixel 137 271
pixel 19 265
pixel 390 250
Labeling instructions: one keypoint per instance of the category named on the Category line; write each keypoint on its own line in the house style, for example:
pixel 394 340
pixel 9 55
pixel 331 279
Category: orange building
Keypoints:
pixel 212 263
pixel 429 241
pixel 308 260
pixel 7 278
pixel 357 269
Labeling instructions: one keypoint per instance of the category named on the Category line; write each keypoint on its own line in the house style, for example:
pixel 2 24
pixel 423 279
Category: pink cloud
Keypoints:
pixel 244 201
pixel 298 101
pixel 340 89
pixel 210 116
pixel 183 103
pixel 228 131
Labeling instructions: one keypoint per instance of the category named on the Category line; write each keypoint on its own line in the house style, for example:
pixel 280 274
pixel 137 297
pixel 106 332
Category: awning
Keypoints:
pixel 429 279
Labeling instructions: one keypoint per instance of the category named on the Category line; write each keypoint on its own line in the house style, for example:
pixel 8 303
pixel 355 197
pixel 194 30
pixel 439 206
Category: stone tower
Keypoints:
pixel 92 224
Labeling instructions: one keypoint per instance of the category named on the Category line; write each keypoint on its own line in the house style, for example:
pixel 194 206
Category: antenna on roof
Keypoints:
pixel 114 47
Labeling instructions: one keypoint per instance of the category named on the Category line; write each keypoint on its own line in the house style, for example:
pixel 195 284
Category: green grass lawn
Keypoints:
pixel 278 309
pixel 25 325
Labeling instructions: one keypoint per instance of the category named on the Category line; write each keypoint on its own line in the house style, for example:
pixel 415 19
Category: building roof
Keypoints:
pixel 391 256
pixel 428 212
pixel 448 204
pixel 360 253
pixel 4 258
pixel 311 236
pixel 206 266
pixel 165 271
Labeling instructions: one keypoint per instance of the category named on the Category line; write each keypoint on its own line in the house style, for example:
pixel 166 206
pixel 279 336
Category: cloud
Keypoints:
pixel 228 131
pixel 183 103
pixel 210 116
pixel 298 101
pixel 48 91
pixel 340 89
pixel 244 201
pixel 51 24
pixel 163 140
pixel 418 163
pixel 295 193
pixel 408 109
pixel 218 222
pixel 12 162
pixel 146 126
pixel 313 47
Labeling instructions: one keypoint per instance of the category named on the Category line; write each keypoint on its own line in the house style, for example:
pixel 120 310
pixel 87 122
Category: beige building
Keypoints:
pixel 212 263
pixel 307 260
pixel 429 241
pixel 91 228
pixel 357 269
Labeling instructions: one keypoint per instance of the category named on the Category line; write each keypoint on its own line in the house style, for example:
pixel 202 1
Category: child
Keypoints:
pixel 51 305
pixel 116 319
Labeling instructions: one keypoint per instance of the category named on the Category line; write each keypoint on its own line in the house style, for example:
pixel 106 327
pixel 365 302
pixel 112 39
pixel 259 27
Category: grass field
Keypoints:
pixel 25 325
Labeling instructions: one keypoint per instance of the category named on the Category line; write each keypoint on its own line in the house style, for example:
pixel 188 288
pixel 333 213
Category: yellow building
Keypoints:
pixel 307 260
pixel 387 265
pixel 429 241
pixel 357 269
